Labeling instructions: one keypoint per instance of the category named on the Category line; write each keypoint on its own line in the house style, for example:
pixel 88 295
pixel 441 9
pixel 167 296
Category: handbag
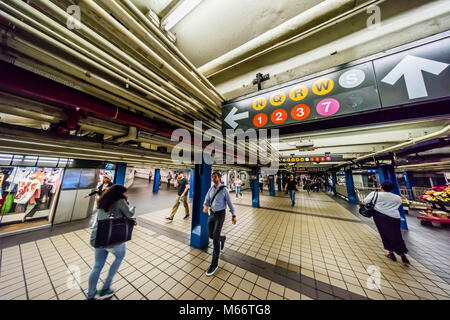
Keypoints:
pixel 112 231
pixel 368 210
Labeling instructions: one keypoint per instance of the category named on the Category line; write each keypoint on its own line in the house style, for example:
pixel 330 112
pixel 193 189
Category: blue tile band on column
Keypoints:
pixel 255 187
pixel 156 181
pixel 350 187
pixel 334 179
pixel 409 182
pixel 392 177
pixel 121 171
pixel 199 228
pixel 191 183
pixel 272 186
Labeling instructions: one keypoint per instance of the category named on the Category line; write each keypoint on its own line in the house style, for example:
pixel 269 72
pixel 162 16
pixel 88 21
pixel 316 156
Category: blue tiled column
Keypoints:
pixel 272 186
pixel 121 171
pixel 387 173
pixel 334 179
pixel 350 187
pixel 191 184
pixel 409 181
pixel 199 228
pixel 255 187
pixel 156 181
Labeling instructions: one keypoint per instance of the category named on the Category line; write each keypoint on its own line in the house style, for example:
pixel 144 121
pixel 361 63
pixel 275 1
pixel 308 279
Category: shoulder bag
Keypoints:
pixel 368 210
pixel 214 197
pixel 112 231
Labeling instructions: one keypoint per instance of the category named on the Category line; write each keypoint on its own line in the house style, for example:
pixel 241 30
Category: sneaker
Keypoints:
pixel 169 218
pixel 211 270
pixel 105 294
pixel 187 216
pixel 405 259
pixel 222 243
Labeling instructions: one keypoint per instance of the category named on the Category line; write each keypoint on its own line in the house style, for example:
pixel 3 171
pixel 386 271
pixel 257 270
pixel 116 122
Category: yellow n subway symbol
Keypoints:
pixel 259 103
pixel 323 86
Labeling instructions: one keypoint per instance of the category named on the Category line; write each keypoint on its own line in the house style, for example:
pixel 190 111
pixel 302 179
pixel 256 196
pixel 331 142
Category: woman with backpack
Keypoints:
pixel 112 204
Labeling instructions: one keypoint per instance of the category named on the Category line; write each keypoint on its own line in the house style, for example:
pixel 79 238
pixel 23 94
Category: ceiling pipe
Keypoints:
pixel 131 136
pixel 440 133
pixel 96 38
pixel 318 14
pixel 76 42
pixel 25 47
pixel 160 49
pixel 25 83
pixel 160 63
pixel 169 44
pixel 85 75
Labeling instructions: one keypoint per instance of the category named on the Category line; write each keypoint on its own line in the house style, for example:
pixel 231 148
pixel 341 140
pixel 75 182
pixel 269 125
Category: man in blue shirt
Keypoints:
pixel 217 199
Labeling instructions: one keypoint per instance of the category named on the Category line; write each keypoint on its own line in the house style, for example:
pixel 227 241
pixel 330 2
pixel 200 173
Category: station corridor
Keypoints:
pixel 316 250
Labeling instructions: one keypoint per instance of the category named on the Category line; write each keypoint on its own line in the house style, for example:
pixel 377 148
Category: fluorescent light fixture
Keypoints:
pixel 179 13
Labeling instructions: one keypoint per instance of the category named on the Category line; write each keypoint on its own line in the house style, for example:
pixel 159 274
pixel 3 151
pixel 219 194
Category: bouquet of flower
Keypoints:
pixel 439 197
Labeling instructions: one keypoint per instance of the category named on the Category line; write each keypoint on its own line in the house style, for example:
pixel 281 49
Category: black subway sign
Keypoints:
pixel 420 73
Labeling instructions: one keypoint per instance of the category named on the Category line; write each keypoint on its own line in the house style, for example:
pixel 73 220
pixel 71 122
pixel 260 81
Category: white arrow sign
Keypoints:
pixel 411 68
pixel 232 117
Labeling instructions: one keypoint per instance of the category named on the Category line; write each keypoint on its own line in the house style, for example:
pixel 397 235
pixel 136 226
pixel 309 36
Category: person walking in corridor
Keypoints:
pixel 387 220
pixel 182 185
pixel 216 200
pixel 291 187
pixel 261 183
pixel 169 177
pixel 238 184
pixel 150 175
pixel 113 203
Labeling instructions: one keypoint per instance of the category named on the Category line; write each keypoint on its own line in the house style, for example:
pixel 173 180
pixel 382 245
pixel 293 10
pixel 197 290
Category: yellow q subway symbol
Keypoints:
pixel 259 103
pixel 298 93
pixel 323 86
pixel 277 98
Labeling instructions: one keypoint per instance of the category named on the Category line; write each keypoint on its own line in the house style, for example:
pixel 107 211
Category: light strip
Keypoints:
pixel 179 13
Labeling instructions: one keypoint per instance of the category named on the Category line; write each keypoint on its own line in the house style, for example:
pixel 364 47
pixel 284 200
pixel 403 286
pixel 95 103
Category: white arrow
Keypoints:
pixel 232 117
pixel 411 68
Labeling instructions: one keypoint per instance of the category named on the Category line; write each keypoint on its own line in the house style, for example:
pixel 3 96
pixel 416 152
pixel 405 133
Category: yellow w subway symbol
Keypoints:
pixel 323 86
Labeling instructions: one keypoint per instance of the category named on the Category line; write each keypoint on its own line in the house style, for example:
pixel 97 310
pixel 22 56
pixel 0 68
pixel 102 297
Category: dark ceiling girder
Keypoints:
pixel 25 83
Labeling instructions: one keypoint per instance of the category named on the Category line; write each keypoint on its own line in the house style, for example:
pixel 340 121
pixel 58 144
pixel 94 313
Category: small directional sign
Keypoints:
pixel 232 117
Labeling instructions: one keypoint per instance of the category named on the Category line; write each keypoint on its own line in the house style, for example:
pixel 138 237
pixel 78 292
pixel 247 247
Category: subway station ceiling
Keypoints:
pixel 125 55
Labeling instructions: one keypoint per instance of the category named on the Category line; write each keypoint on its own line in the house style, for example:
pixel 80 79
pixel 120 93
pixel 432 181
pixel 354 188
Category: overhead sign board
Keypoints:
pixel 312 158
pixel 412 75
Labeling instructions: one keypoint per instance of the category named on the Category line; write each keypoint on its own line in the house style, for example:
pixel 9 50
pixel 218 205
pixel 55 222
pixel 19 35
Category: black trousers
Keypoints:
pixel 215 224
pixel 390 232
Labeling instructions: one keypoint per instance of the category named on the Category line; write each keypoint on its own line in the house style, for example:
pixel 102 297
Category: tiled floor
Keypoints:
pixel 315 250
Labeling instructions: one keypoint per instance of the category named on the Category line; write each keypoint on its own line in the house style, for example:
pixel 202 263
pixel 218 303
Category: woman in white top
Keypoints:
pixel 387 220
